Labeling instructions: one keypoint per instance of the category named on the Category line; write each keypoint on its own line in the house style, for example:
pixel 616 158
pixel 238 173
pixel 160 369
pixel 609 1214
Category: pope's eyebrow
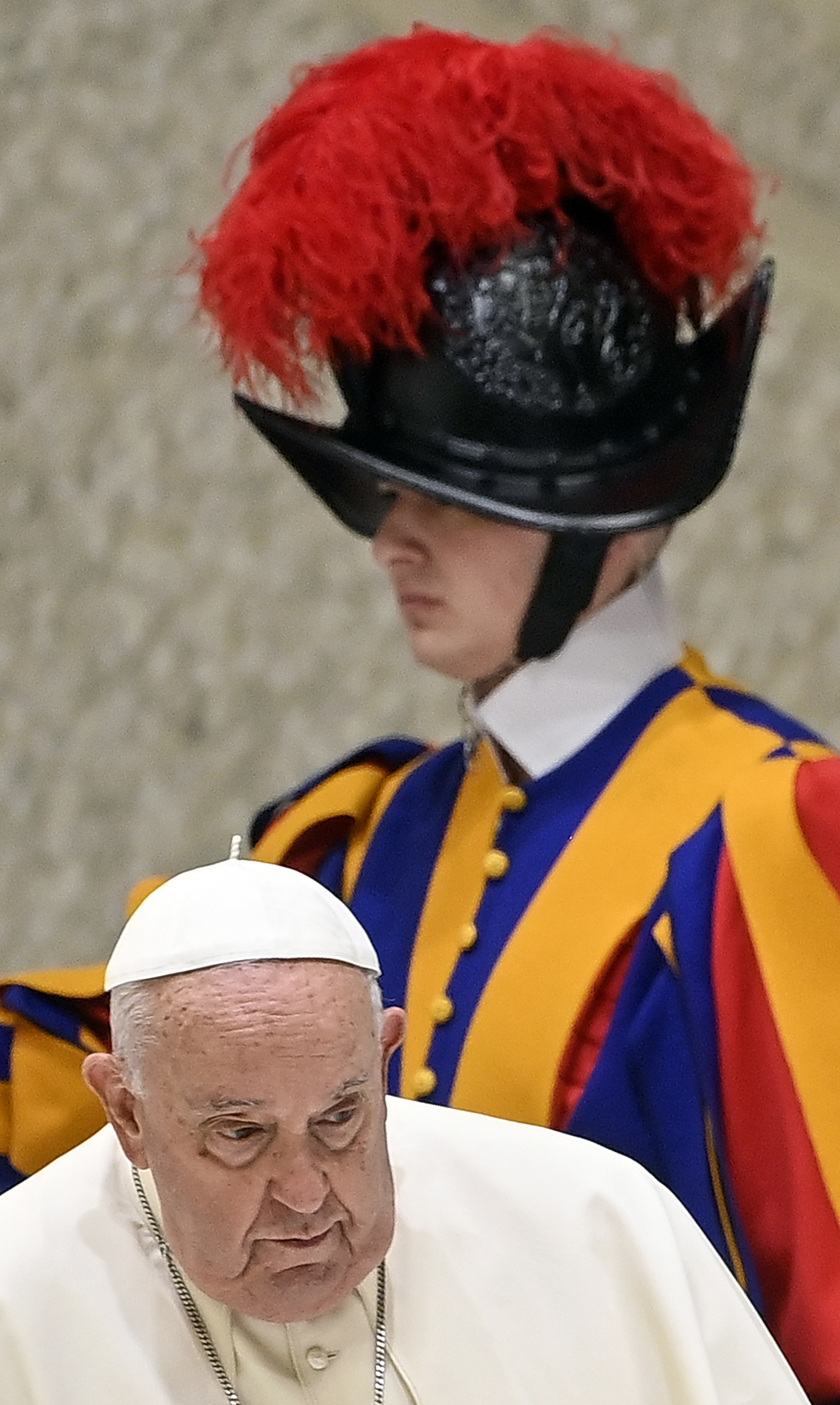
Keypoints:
pixel 349 1086
pixel 228 1104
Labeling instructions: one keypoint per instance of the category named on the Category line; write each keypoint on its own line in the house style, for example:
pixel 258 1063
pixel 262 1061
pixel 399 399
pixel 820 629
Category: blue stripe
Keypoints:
pixel 760 714
pixel 658 1071
pixel 397 869
pixel 6 1039
pixel 52 1013
pixel 9 1175
pixel 690 895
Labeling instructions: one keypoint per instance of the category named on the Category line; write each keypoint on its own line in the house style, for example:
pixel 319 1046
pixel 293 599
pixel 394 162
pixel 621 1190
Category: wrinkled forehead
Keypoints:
pixel 269 1032
pixel 281 987
pixel 211 1006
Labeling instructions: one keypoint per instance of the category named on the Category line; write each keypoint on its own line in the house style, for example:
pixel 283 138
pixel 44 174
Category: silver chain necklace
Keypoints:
pixel 199 1326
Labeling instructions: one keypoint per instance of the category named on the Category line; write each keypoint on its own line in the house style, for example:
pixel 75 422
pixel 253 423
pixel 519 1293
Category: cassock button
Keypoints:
pixel 425 1082
pixel 318 1358
pixel 496 864
pixel 442 1009
pixel 514 798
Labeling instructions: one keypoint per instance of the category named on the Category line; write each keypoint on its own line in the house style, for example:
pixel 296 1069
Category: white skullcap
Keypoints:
pixel 236 910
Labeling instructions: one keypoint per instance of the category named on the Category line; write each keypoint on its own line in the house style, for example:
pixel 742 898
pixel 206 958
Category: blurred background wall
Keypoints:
pixel 183 633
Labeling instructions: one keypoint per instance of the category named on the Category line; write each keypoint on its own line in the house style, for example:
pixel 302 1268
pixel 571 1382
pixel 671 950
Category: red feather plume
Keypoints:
pixel 437 139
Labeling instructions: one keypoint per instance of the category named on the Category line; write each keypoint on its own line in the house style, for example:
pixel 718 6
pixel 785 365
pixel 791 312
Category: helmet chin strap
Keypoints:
pixel 565 587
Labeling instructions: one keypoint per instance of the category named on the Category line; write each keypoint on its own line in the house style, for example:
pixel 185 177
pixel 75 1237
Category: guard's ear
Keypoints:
pixel 391 1037
pixel 104 1076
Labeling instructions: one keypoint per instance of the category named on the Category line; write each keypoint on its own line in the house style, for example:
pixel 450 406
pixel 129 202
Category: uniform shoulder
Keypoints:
pixel 758 712
pixel 385 755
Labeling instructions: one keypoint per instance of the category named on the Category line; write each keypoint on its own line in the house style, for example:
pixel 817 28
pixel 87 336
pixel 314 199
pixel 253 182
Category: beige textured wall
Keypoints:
pixel 182 631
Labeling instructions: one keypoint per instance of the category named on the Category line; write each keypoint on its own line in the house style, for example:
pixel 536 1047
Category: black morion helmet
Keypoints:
pixel 556 390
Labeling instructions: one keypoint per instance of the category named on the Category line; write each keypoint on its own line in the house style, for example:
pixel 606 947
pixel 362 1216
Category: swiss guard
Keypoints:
pixel 612 906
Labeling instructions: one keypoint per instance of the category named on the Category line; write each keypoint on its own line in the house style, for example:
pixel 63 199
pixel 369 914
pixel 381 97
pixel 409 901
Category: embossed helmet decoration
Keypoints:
pixel 532 270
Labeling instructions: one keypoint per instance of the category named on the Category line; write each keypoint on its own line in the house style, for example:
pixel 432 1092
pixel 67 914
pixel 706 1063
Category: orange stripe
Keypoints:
pixel 793 913
pixel 51 1108
pixel 451 903
pixel 663 934
pixel 600 888
pixel 724 1212
pixel 5 1118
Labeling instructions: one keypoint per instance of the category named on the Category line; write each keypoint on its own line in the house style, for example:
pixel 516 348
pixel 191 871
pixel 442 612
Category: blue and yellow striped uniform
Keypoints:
pixel 49 1022
pixel 501 914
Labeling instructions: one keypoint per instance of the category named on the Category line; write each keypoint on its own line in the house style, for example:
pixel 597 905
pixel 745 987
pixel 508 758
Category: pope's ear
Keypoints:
pixel 391 1037
pixel 104 1075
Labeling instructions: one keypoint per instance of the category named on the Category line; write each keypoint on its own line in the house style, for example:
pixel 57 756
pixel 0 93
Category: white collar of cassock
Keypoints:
pixel 549 708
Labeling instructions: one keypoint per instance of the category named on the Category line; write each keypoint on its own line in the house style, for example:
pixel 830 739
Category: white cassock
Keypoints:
pixel 527 1268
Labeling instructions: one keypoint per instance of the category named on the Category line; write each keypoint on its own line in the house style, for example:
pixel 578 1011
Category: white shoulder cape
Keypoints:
pixel 528 1268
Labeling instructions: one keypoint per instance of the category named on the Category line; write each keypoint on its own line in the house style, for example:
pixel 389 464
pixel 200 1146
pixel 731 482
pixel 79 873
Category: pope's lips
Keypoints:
pixel 308 1241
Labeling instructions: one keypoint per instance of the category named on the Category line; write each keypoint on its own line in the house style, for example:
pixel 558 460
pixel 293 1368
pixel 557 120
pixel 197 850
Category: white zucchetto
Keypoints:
pixel 236 910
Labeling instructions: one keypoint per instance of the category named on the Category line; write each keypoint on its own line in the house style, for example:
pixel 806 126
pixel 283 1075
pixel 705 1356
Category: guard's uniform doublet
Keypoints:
pixel 641 945
pixel 49 1022
pixel 525 1269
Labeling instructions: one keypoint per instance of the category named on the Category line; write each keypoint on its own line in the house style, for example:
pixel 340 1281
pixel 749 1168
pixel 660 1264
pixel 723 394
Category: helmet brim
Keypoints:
pixel 615 489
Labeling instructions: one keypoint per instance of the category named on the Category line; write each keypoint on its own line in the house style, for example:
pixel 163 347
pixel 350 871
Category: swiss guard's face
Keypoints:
pixel 263 1121
pixel 462 582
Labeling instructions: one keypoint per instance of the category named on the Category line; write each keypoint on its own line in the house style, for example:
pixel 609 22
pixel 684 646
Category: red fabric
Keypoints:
pixel 312 846
pixel 588 1035
pixel 818 805
pixel 437 140
pixel 95 1014
pixel 778 1187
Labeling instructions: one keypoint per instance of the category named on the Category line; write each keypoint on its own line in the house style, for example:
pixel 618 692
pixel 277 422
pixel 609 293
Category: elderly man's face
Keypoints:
pixel 262 1118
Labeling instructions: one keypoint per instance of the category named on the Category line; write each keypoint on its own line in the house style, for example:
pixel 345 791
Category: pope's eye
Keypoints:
pixel 237 1131
pixel 339 1117
pixel 237 1143
pixel 338 1127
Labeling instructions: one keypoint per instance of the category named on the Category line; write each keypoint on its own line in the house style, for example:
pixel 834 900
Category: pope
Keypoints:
pixel 245 1230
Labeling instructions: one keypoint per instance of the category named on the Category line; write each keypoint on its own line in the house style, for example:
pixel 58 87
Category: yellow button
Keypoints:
pixel 425 1082
pixel 468 936
pixel 442 1009
pixel 514 798
pixel 496 864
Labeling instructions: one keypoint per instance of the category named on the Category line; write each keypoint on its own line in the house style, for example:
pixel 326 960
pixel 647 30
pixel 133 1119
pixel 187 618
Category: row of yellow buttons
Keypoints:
pixel 495 864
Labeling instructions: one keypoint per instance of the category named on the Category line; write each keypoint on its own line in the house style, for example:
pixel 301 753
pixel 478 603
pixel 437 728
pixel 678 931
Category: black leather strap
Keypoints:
pixel 566 585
